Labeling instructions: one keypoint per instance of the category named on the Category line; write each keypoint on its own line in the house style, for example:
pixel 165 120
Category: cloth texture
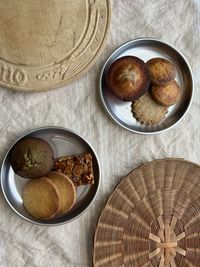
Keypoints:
pixel 78 106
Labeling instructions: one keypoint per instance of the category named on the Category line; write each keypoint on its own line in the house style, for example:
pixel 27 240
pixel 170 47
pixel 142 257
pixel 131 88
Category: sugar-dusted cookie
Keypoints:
pixel 161 71
pixel 147 111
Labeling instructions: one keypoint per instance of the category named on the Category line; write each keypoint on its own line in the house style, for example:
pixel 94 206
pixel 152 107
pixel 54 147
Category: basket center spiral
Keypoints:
pixel 167 243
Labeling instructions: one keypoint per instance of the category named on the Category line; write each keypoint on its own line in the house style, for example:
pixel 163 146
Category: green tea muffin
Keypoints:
pixel 32 157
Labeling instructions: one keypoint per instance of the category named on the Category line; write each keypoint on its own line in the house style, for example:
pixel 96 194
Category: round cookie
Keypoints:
pixel 66 188
pixel 161 71
pixel 32 157
pixel 127 78
pixel 41 198
pixel 166 95
pixel 147 111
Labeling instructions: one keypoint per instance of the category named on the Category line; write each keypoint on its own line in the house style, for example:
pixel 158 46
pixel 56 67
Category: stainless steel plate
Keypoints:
pixel 64 142
pixel 146 48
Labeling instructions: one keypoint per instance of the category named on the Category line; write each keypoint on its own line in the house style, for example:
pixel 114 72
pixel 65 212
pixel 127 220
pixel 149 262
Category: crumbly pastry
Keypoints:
pixel 166 95
pixel 147 111
pixel 161 71
pixel 41 198
pixel 127 78
pixel 78 168
pixel 32 158
pixel 66 188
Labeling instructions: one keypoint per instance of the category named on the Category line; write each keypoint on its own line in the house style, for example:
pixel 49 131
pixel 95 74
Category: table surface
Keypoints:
pixel 77 106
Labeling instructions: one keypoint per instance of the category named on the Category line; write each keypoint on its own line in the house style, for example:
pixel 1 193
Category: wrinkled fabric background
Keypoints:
pixel 77 106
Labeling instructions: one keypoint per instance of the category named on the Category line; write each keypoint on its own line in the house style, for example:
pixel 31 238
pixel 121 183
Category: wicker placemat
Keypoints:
pixel 152 218
pixel 46 44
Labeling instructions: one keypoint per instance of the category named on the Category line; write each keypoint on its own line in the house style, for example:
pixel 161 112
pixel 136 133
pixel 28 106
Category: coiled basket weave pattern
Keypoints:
pixel 152 218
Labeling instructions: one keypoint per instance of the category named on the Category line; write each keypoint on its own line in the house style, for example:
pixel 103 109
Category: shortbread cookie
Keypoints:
pixel 147 111
pixel 166 95
pixel 127 78
pixel 161 71
pixel 66 189
pixel 41 198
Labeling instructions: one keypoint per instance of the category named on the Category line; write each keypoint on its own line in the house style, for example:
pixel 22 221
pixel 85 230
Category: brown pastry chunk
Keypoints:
pixel 161 71
pixel 127 78
pixel 32 157
pixel 166 95
pixel 78 168
pixel 66 188
pixel 41 198
pixel 147 111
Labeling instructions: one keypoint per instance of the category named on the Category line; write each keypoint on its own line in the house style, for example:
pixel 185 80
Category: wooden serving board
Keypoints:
pixel 46 44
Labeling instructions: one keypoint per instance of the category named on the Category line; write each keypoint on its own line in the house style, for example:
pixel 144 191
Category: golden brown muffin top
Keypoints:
pixel 127 78
pixel 161 71
pixel 166 95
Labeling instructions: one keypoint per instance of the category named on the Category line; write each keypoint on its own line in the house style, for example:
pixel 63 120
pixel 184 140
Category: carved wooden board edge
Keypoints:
pixel 15 77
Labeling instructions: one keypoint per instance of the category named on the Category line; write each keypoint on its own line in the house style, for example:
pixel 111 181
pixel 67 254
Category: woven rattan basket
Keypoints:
pixel 152 218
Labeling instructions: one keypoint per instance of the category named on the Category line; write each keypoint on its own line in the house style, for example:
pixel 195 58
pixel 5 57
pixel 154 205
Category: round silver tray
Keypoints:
pixel 146 48
pixel 64 142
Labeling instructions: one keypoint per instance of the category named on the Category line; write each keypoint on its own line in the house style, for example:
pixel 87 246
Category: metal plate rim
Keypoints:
pixel 101 93
pixel 34 131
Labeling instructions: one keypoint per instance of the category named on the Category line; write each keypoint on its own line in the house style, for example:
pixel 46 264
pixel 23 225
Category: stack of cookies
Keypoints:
pixel 51 190
pixel 150 86
pixel 48 196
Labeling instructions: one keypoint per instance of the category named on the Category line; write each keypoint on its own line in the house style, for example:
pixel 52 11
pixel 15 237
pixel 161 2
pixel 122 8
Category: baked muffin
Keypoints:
pixel 166 95
pixel 127 78
pixel 161 71
pixel 32 157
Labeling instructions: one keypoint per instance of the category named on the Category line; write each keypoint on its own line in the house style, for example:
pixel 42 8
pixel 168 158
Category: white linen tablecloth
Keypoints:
pixel 77 106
